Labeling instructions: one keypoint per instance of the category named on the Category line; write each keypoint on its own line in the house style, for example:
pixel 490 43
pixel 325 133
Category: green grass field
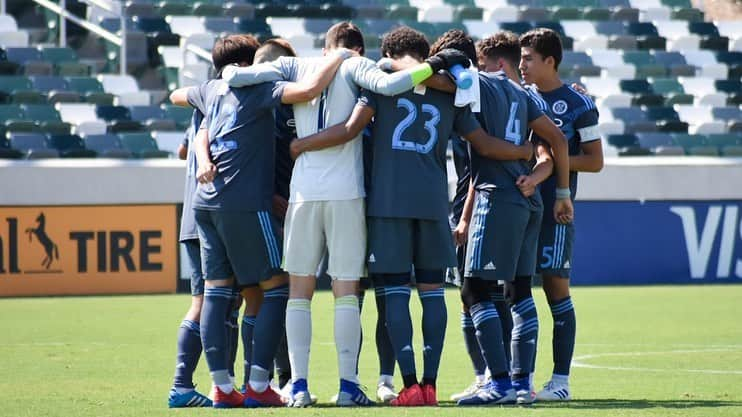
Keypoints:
pixel 641 351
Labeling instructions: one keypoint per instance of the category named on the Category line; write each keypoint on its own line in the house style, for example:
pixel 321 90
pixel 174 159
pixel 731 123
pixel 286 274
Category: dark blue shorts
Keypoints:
pixel 503 238
pixel 240 244
pixel 193 260
pixel 555 249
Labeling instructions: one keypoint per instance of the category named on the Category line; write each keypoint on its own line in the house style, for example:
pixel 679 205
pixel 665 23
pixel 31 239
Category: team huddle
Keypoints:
pixel 299 167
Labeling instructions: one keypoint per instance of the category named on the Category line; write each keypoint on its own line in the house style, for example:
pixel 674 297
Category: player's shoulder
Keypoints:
pixel 576 99
pixel 533 93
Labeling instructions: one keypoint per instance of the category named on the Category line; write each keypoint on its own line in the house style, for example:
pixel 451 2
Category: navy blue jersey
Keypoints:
pixel 285 133
pixel 241 129
pixel 506 112
pixel 577 117
pixel 188 220
pixel 462 164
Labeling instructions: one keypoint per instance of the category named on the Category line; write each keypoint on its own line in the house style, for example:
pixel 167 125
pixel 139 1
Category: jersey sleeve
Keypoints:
pixel 534 111
pixel 587 126
pixel 367 75
pixel 464 121
pixel 282 69
pixel 368 99
pixel 274 91
pixel 197 97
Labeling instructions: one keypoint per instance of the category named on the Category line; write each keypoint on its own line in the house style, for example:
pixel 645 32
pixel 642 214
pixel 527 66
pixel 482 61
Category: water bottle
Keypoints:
pixel 462 76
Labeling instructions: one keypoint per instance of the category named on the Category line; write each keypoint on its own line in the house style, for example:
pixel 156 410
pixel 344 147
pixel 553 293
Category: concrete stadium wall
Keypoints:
pixel 640 221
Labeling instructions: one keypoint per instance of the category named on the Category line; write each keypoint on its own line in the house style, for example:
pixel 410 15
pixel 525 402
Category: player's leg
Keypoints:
pixel 523 308
pixel 233 331
pixel 385 390
pixel 345 229
pixel 555 274
pixel 183 393
pixel 253 299
pixel 434 253
pixel 491 256
pixel 282 365
pixel 304 247
pixel 506 318
pixel 218 275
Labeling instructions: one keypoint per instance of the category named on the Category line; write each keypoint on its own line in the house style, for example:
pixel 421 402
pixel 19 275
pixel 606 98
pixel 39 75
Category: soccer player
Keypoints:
pixel 235 153
pixel 408 204
pixel 326 206
pixel 577 117
pixel 502 247
pixel 183 393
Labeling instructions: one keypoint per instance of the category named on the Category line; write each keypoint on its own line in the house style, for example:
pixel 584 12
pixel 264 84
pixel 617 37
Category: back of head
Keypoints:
pixel 405 41
pixel 455 39
pixel 234 49
pixel 273 49
pixel 345 35
pixel 545 42
pixel 502 45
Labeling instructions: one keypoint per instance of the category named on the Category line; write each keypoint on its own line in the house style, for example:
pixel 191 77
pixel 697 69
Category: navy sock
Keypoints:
pixel 233 332
pixel 248 326
pixel 361 297
pixel 489 333
pixel 217 301
pixel 399 325
pixel 384 347
pixel 281 361
pixel 472 344
pixel 189 351
pixel 435 318
pixel 563 339
pixel 525 332
pixel 506 320
pixel 270 326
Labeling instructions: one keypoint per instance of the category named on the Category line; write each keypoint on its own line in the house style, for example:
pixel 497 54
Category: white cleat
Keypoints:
pixel 301 399
pixel 286 393
pixel 470 390
pixel 554 392
pixel 385 392
pixel 524 397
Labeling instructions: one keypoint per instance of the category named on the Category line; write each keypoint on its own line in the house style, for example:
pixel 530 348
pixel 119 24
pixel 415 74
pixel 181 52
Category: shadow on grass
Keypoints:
pixel 611 403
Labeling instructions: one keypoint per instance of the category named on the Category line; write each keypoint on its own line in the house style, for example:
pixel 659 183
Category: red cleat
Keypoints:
pixel 267 398
pixel 232 400
pixel 410 397
pixel 429 395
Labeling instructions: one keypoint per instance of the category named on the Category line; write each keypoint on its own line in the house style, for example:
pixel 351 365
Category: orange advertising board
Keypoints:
pixel 87 250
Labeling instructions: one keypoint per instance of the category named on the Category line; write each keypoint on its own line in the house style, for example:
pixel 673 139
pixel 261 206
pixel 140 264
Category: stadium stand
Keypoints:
pixel 658 69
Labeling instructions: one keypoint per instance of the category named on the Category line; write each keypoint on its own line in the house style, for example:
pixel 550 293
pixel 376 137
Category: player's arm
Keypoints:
pixel 496 148
pixel 206 171
pixel 282 69
pixel 312 86
pixel 551 134
pixel 541 171
pixel 461 233
pixel 183 150
pixel 337 134
pixel 368 76
pixel 438 82
pixel 591 158
pixel 179 97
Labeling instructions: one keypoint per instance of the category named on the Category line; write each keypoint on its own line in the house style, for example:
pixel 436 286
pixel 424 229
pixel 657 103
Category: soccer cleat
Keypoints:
pixel 288 392
pixel 351 395
pixel 470 390
pixel 267 398
pixel 234 399
pixel 301 399
pixel 489 395
pixel 385 392
pixel 554 392
pixel 409 397
pixel 187 399
pixel 429 395
pixel 524 397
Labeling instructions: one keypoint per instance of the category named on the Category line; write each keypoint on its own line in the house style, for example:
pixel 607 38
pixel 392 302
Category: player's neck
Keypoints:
pixel 549 83
pixel 512 74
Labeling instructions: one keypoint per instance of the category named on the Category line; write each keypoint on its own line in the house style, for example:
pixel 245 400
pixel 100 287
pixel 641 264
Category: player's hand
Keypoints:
pixel 295 149
pixel 346 53
pixel 461 233
pixel 527 149
pixel 280 205
pixel 447 58
pixel 527 185
pixel 206 173
pixel 385 64
pixel 564 212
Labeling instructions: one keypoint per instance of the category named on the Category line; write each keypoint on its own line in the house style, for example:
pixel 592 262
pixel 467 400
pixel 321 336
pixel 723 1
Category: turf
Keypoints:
pixel 642 351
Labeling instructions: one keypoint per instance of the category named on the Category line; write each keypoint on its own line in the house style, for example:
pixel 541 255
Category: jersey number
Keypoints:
pixel 430 126
pixel 512 130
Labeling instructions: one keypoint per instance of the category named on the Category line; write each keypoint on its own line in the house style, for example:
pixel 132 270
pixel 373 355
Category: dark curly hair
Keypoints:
pixel 545 42
pixel 405 41
pixel 455 39
pixel 503 44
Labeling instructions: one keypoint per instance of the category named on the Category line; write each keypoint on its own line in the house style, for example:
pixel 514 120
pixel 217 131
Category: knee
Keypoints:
pixel 521 289
pixel 474 290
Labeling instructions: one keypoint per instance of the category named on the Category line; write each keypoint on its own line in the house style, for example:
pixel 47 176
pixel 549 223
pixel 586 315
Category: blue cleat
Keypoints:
pixel 351 395
pixel 490 395
pixel 187 399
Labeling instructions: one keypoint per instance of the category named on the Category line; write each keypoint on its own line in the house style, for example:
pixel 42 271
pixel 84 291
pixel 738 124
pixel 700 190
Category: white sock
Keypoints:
pixel 347 336
pixel 183 390
pixel 560 379
pixel 258 378
pixel 299 336
pixel 481 378
pixel 221 380
pixel 386 379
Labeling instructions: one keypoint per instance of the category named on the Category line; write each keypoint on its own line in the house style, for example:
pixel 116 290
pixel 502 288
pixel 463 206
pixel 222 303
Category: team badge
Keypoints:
pixel 559 107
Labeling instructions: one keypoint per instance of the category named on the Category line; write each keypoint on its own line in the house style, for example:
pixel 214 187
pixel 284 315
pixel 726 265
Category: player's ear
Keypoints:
pixel 549 61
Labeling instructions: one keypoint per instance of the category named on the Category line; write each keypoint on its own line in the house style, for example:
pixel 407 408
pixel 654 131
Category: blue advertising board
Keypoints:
pixel 657 242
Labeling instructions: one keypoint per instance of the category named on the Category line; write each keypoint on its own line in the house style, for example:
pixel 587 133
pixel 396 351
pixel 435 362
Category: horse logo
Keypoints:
pixel 50 248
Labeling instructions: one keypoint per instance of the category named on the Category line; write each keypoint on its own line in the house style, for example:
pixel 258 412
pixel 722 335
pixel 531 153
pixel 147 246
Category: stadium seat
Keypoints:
pixel 732 151
pixel 237 9
pixel 47 117
pixel 634 151
pixel 597 14
pixel 625 14
pixel 501 14
pixel 6 152
pixel 635 119
pixel 141 145
pixel 653 140
pixel 106 146
pixel 622 141
pixel 669 150
pixel 705 61
pixel 209 9
pixel 168 141
pixel 70 146
pixel 31 145
pixel 728 114
pixel 125 88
